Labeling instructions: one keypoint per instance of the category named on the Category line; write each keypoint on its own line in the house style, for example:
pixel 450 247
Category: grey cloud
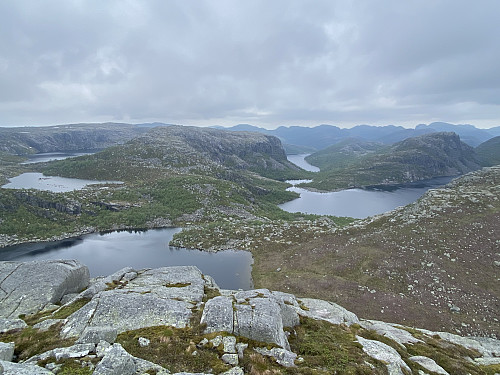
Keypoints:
pixel 269 63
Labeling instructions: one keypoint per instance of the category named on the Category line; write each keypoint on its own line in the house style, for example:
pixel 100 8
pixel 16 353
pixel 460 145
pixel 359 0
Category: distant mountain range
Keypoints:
pixel 322 136
pixel 295 139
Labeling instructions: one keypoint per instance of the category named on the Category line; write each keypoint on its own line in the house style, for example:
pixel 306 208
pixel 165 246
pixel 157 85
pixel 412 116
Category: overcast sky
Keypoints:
pixel 266 63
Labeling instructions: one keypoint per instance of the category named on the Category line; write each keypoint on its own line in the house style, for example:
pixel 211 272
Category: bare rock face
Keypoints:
pixel 328 311
pixel 163 296
pixel 26 288
pixel 386 354
pixel 10 368
pixel 257 314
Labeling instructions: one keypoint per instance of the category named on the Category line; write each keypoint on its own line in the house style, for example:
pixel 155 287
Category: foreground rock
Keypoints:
pixel 164 296
pixel 241 331
pixel 26 288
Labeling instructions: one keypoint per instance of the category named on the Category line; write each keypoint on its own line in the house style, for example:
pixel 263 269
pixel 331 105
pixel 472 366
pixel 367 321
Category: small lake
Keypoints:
pixel 359 203
pixel 107 253
pixel 50 156
pixel 33 180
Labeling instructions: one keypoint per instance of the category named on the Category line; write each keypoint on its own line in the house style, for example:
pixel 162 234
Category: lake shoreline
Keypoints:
pixel 7 241
pixel 105 252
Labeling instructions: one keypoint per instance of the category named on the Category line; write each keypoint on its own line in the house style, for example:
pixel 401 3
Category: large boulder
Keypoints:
pixel 6 351
pixel 257 314
pixel 7 325
pixel 116 362
pixel 391 331
pixel 429 364
pixel 10 368
pixel 260 320
pixel 26 288
pixel 383 352
pixel 325 310
pixel 218 315
pixel 162 296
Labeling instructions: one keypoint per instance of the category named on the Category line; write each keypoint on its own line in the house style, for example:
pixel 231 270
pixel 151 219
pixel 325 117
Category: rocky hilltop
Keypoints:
pixel 360 163
pixel 74 137
pixel 244 150
pixel 177 320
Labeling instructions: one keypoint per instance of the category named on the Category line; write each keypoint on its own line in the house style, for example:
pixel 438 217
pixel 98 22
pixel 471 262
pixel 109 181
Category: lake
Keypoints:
pixel 50 156
pixel 299 160
pixel 33 180
pixel 356 203
pixel 109 252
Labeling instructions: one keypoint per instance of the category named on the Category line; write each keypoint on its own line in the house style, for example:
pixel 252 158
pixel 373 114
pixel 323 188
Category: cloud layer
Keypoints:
pixel 268 63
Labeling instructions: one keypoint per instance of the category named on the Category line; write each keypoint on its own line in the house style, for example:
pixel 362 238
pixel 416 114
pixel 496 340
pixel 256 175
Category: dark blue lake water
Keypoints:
pixel 107 253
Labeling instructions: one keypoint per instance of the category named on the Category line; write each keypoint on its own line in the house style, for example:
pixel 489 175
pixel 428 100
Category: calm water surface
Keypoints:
pixel 299 161
pixel 107 253
pixel 357 203
pixel 33 180
pixel 49 156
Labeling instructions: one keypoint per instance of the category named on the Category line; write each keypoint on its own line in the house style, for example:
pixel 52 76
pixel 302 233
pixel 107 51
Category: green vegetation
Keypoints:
pixel 10 166
pixel 173 348
pixel 331 348
pixel 61 313
pixel 30 341
pixel 343 154
pixel 298 149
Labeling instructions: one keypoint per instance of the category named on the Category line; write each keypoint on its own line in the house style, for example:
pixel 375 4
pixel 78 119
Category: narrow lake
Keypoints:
pixel 299 160
pixel 34 180
pixel 107 253
pixel 49 156
pixel 356 203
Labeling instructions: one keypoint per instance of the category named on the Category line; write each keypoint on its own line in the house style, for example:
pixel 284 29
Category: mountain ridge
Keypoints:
pixel 322 136
pixel 413 159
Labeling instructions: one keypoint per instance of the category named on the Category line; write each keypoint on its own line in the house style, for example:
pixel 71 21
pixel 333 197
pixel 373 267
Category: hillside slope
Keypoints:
pixel 184 150
pixel 414 159
pixel 433 264
pixel 343 153
pixel 489 152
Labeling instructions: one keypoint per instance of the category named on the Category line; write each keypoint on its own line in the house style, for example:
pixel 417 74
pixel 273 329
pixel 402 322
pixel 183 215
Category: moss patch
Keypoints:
pixel 30 341
pixel 173 349
pixel 332 348
pixel 61 313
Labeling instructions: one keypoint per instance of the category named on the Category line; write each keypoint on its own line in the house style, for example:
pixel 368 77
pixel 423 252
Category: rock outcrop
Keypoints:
pixel 164 296
pixel 238 328
pixel 27 288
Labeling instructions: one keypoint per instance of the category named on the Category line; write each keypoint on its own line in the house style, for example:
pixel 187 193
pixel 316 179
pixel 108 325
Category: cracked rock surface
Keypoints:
pixel 26 288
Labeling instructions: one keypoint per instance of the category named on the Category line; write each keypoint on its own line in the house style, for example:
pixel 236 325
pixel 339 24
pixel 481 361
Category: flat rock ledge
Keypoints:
pixel 172 296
